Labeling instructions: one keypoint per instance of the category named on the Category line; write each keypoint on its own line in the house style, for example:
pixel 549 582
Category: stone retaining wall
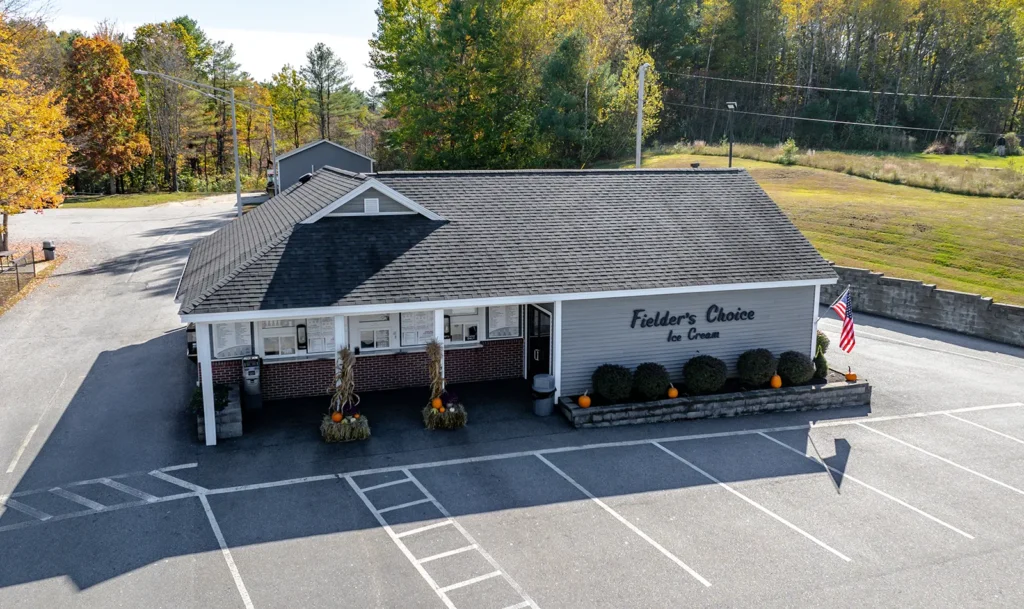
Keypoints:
pixel 923 303
pixel 808 397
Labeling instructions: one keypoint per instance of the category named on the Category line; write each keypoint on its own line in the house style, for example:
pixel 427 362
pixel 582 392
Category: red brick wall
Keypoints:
pixel 493 360
pixel 496 359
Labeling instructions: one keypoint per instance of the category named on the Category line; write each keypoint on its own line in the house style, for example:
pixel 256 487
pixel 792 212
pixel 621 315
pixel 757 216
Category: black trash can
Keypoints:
pixel 49 250
pixel 543 395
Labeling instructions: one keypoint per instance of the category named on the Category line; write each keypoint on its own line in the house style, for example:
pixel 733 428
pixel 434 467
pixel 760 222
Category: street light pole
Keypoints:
pixel 731 106
pixel 640 110
pixel 234 124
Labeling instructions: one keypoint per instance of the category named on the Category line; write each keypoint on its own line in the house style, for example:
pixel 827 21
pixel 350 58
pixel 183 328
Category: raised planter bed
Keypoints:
pixel 228 419
pixel 833 394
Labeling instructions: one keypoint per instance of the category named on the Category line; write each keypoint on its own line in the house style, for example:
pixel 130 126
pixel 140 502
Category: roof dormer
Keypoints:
pixel 372 198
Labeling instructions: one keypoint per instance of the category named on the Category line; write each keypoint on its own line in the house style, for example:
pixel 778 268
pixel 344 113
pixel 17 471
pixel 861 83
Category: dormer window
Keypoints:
pixel 371 206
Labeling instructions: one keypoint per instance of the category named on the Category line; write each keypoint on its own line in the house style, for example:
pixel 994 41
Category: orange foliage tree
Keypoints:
pixel 33 153
pixel 102 99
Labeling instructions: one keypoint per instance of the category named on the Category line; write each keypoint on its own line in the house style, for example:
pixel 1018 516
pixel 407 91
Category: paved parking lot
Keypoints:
pixel 921 510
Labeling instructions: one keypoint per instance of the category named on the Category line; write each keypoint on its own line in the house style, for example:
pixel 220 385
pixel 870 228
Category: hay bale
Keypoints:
pixel 453 417
pixel 345 430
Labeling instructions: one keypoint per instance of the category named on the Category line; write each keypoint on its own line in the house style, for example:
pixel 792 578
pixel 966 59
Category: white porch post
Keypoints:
pixel 340 334
pixel 439 334
pixel 556 347
pixel 206 381
pixel 814 322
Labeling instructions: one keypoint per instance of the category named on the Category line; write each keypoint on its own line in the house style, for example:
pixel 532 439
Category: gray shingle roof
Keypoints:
pixel 505 233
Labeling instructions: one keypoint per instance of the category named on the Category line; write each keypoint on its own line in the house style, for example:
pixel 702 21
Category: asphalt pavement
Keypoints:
pixel 110 501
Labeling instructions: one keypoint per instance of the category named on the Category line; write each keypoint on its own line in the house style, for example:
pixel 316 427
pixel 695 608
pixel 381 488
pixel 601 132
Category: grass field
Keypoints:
pixel 131 200
pixel 970 244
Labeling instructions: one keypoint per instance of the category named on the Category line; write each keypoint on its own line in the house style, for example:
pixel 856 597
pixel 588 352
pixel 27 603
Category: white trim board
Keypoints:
pixel 305 147
pixel 373 183
pixel 403 307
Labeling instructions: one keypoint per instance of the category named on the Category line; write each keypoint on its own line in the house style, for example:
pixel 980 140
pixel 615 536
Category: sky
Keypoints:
pixel 266 34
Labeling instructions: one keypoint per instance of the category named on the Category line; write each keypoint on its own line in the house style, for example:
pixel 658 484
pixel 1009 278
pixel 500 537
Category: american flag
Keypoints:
pixel 845 312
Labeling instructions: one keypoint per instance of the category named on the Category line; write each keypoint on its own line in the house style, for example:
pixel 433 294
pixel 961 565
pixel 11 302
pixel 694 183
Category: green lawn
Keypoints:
pixel 990 161
pixel 965 243
pixel 131 200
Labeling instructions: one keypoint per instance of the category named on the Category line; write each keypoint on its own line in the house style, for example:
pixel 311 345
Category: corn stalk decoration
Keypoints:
pixel 345 400
pixel 434 354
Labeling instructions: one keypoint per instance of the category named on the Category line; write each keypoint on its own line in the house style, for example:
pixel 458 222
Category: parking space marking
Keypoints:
pixel 80 500
pixel 944 460
pixel 757 505
pixel 32 430
pixel 402 506
pixel 628 524
pixel 235 575
pixel 988 429
pixel 27 510
pixel 385 485
pixel 124 488
pixel 178 481
pixel 872 488
pixel 447 554
pixel 449 520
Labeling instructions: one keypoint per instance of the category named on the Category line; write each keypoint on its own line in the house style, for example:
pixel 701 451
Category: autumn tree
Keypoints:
pixel 33 153
pixel 102 99
pixel 291 104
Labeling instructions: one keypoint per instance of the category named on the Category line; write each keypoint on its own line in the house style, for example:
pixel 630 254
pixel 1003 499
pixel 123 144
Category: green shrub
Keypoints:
pixel 789 152
pixel 823 343
pixel 612 383
pixel 1012 144
pixel 756 366
pixel 220 398
pixel 795 368
pixel 820 366
pixel 650 381
pixel 704 374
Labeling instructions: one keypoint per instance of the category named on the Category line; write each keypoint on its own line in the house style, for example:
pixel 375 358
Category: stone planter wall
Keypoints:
pixel 228 420
pixel 808 397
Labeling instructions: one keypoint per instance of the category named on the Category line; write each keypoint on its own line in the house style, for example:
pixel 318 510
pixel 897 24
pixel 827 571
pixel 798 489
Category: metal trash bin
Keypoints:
pixel 49 250
pixel 251 382
pixel 543 395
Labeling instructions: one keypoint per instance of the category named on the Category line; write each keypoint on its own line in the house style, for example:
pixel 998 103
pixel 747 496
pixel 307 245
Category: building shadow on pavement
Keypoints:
pixel 128 418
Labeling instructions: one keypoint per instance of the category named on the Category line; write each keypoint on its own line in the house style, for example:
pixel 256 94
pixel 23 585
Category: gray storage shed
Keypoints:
pixel 307 159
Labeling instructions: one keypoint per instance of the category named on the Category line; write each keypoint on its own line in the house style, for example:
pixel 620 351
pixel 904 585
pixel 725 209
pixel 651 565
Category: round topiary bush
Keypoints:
pixel 704 374
pixel 820 366
pixel 756 366
pixel 795 368
pixel 650 381
pixel 612 383
pixel 822 343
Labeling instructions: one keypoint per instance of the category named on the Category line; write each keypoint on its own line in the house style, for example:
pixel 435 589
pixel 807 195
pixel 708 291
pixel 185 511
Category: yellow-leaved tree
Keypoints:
pixel 33 153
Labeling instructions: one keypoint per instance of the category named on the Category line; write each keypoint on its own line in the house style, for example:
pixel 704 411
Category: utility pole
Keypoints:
pixel 731 106
pixel 640 111
pixel 238 173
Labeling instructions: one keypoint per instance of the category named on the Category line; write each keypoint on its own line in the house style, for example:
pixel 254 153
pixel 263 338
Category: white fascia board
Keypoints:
pixel 373 183
pixel 405 307
pixel 317 143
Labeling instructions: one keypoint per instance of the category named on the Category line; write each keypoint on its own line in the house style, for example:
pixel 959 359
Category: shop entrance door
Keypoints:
pixel 538 341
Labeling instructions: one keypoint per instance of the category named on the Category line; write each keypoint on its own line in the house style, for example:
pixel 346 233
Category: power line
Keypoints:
pixel 837 90
pixel 825 120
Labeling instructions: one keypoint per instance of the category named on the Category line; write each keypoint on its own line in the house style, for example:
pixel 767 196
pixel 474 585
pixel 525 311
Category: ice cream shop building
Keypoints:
pixel 520 272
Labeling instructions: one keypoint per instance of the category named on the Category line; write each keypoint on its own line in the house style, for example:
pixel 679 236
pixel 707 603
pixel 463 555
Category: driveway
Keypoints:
pixel 110 501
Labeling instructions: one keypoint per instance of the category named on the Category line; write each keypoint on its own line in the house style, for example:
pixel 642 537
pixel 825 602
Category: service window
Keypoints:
pixel 232 339
pixel 279 337
pixel 462 325
pixel 417 328
pixel 504 322
pixel 374 332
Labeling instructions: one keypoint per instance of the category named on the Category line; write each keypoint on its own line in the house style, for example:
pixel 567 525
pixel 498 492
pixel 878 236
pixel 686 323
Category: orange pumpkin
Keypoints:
pixel 850 374
pixel 336 417
pixel 584 400
pixel 776 381
pixel 355 416
pixel 672 391
pixel 441 409
pixel 435 403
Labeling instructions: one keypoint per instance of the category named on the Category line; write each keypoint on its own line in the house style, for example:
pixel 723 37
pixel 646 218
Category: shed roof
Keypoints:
pixel 503 233
pixel 305 147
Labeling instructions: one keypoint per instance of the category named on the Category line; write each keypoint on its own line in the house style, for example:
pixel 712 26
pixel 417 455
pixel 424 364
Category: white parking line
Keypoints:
pixel 235 575
pixel 80 500
pixel 32 430
pixel 988 429
pixel 402 506
pixel 944 460
pixel 27 510
pixel 177 481
pixel 422 529
pixel 847 476
pixel 754 503
pixel 472 546
pixel 385 485
pixel 470 582
pixel 628 524
pixel 124 488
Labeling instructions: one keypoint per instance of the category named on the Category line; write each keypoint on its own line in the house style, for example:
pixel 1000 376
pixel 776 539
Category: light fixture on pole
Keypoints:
pixel 234 123
pixel 640 109
pixel 731 106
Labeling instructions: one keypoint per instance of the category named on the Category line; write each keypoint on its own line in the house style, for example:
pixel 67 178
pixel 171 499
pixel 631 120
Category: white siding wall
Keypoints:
pixel 596 332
